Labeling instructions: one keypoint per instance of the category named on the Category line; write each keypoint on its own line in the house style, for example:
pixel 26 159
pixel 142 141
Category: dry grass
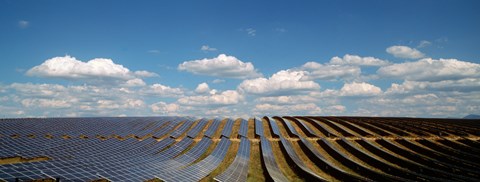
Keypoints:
pixel 313 128
pixel 251 128
pixel 304 157
pixel 205 128
pixel 218 132
pixel 353 157
pixel 267 131
pixel 255 171
pixel 331 158
pixel 283 164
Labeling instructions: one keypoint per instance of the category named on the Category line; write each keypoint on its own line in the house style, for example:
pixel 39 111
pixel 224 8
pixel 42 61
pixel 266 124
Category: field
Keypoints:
pixel 280 148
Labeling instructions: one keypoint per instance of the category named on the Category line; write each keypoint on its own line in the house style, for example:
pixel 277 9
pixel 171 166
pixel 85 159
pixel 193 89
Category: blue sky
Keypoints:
pixel 239 58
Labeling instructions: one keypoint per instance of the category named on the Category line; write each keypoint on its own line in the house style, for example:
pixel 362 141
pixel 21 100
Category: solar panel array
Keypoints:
pixel 308 148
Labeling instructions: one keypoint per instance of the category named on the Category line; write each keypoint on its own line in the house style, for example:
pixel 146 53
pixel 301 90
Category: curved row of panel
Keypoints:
pixel 187 149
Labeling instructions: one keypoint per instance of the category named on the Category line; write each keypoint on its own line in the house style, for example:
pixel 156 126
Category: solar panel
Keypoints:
pixel 175 149
pixel 121 149
pixel 296 159
pixel 243 131
pixel 274 126
pixel 227 129
pixel 290 129
pixel 203 168
pixel 258 127
pixel 185 159
pixel 213 128
pixel 182 129
pixel 197 128
pixel 308 131
pixel 238 170
pixel 269 161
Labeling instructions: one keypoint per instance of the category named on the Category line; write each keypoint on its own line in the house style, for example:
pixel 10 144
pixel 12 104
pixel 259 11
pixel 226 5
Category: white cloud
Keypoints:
pixel 164 108
pixel 45 103
pixel 250 31
pixel 429 69
pixel 285 82
pixel 272 109
pixel 216 81
pixel 228 97
pixel 317 71
pixel 136 82
pixel 144 73
pixel 81 100
pixel 207 48
pixel 202 88
pixel 335 109
pixel 463 85
pixel 222 66
pixel 162 91
pixel 123 104
pixel 358 61
pixel 405 52
pixel 423 44
pixel 23 24
pixel 360 89
pixel 287 100
pixel 70 68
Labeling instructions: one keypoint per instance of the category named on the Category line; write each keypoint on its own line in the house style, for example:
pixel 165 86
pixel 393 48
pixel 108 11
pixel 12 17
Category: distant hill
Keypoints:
pixel 472 116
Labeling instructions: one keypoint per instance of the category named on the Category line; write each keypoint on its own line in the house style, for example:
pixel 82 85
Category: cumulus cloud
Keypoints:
pixel 81 100
pixel 125 104
pixel 71 68
pixel 221 66
pixel 162 91
pixel 228 97
pixel 136 82
pixel 288 100
pixel 463 85
pixel 96 70
pixel 207 48
pixel 285 82
pixel 273 109
pixel 360 89
pixel 429 69
pixel 405 52
pixel 45 103
pixel 144 73
pixel 318 71
pixel 358 61
pixel 202 88
pixel 165 108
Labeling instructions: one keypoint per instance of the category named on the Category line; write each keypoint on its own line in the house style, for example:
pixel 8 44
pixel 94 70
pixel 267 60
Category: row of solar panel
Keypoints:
pixel 113 156
pixel 124 169
pixel 442 169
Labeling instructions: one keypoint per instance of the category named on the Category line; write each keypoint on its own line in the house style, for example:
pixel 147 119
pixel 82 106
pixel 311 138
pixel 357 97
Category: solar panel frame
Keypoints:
pixel 213 128
pixel 269 161
pixel 195 131
pixel 274 127
pixel 243 131
pixel 259 127
pixel 238 169
pixel 227 129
